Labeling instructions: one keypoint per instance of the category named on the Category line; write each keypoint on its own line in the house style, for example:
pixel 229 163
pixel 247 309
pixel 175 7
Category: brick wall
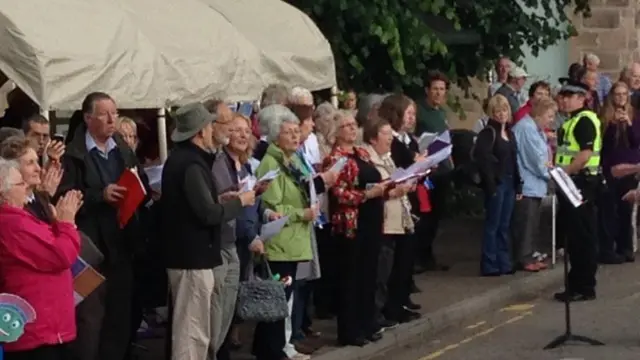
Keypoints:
pixel 611 33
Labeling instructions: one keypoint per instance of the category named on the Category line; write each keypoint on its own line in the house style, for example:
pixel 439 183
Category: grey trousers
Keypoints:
pixel 225 294
pixel 524 225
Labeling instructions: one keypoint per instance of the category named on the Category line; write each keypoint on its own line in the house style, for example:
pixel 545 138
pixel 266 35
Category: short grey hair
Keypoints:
pixel 325 118
pixel 591 57
pixel 8 132
pixel 5 170
pixel 365 105
pixel 274 94
pixel 300 96
pixel 271 118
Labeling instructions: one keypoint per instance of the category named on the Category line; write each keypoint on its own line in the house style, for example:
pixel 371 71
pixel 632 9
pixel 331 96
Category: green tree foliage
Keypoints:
pixel 389 44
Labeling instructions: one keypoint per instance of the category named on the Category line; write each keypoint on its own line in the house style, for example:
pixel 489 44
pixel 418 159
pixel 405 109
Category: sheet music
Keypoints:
pixel 248 183
pixel 313 200
pixel 425 140
pixel 339 165
pixel 270 175
pixel 271 229
pixel 567 186
pixel 154 173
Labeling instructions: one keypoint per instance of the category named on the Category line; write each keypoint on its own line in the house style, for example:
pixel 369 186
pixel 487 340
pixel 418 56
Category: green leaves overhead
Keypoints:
pixel 386 45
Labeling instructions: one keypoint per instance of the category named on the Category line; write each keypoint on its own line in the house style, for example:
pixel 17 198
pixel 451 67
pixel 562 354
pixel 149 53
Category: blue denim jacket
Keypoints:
pixel 533 155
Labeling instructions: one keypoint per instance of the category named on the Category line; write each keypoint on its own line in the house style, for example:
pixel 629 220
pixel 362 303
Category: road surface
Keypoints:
pixel 520 331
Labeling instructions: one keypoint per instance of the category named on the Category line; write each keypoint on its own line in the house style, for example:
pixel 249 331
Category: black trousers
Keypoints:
pixel 429 224
pixel 524 226
pixel 46 352
pixel 582 240
pixel 606 220
pixel 325 289
pixel 358 266
pixel 624 235
pixel 394 275
pixel 104 317
pixel 268 338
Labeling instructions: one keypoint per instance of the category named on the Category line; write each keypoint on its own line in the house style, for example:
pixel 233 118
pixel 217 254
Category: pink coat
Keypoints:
pixel 35 264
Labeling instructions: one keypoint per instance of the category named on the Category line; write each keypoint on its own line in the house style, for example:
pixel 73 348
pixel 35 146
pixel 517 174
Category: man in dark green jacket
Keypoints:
pixel 432 118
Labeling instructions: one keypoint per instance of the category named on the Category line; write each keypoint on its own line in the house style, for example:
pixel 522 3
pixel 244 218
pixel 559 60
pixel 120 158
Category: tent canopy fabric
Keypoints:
pixel 159 53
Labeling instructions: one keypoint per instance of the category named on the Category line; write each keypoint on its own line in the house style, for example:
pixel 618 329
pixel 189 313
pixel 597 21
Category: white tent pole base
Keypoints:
pixel 162 134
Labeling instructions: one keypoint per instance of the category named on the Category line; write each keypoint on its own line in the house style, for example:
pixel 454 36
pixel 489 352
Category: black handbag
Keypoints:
pixel 261 298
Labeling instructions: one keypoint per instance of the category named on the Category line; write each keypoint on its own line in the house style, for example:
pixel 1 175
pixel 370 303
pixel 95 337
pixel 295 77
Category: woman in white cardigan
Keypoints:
pixel 398 226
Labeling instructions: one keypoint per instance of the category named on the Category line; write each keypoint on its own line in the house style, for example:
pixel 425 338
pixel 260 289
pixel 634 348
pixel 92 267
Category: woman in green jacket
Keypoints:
pixel 287 195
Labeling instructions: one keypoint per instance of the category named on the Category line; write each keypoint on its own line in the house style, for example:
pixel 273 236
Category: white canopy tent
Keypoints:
pixel 159 53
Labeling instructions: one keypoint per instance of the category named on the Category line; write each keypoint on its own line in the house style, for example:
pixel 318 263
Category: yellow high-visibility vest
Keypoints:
pixel 568 147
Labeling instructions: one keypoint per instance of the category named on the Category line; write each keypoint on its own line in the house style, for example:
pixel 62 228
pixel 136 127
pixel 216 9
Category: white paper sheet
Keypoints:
pixel 272 228
pixel 339 165
pixel 270 175
pixel 248 183
pixel 154 173
pixel 567 186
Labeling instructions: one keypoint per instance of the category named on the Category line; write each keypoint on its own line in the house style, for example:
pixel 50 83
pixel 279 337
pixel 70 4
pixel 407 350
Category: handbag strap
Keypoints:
pixel 261 259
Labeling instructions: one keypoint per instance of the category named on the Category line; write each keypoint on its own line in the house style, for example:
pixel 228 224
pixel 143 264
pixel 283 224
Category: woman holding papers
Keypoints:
pixel 286 195
pixel 36 265
pixel 496 154
pixel 400 112
pixel 357 214
pixel 394 263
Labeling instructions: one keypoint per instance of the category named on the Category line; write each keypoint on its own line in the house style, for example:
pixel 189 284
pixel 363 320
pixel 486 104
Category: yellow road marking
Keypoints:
pixel 476 325
pixel 437 354
pixel 518 307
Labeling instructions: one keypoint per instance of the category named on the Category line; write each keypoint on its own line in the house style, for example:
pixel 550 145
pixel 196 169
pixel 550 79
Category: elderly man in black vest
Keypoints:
pixel 93 163
pixel 192 223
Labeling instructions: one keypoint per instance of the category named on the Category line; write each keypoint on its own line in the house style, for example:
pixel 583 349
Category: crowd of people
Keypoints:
pixel 196 235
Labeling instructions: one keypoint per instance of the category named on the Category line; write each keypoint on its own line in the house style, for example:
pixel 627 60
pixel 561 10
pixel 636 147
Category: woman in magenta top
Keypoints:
pixel 36 262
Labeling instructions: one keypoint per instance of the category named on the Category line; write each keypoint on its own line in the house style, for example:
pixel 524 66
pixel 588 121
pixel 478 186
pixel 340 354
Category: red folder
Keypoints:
pixel 132 198
pixel 423 198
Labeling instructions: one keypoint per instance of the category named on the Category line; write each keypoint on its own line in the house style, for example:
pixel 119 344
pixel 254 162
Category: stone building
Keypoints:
pixel 611 33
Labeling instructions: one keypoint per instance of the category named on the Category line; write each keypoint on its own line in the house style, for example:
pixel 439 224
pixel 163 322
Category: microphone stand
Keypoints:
pixel 568 335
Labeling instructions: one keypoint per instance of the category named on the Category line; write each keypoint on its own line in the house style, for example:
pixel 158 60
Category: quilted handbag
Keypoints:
pixel 261 298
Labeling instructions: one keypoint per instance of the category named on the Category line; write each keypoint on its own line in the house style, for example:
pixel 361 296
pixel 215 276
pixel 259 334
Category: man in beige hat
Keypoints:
pixel 512 89
pixel 191 226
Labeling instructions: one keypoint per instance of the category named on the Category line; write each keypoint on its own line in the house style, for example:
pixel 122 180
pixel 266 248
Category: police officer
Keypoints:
pixel 579 145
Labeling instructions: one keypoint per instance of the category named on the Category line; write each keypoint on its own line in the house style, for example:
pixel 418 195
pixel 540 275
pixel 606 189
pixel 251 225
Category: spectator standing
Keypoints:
pixel 272 95
pixel 537 91
pixel 353 205
pixel 591 62
pixel 432 118
pixel 503 66
pixel 287 194
pixel 534 161
pixel 191 210
pixel 512 89
pixel 36 265
pixel 496 154
pixel 94 161
pixel 394 262
pixel 620 144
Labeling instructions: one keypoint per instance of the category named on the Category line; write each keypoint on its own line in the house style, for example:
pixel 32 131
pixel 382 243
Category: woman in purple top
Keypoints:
pixel 620 145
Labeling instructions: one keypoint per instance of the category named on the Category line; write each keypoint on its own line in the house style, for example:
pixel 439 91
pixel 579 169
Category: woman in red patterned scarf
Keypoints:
pixel 357 211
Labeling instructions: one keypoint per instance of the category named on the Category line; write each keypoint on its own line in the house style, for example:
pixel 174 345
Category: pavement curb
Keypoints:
pixel 451 315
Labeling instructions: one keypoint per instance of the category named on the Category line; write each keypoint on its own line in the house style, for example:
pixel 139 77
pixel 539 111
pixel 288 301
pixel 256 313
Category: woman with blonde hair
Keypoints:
pixel 496 155
pixel 620 142
pixel 128 128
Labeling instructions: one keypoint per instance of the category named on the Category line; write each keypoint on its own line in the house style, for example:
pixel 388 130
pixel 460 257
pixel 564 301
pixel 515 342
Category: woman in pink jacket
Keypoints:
pixel 36 259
